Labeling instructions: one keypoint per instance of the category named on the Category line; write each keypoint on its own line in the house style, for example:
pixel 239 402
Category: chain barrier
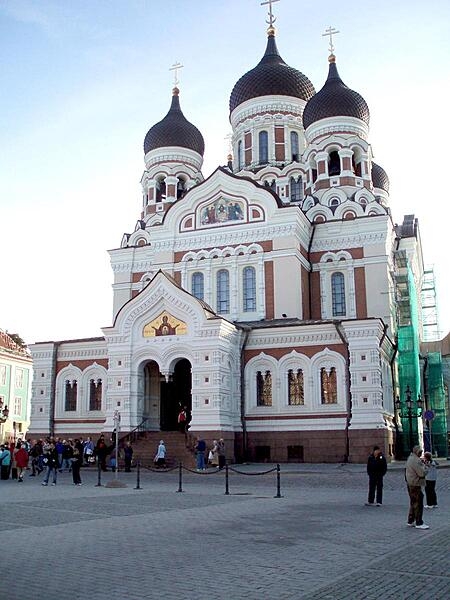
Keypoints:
pixel 226 470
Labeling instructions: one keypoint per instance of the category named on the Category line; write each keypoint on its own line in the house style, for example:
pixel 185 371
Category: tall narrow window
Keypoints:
pixel 223 291
pixel 296 189
pixel 160 190
pixel 70 403
pixel 264 388
pixel 294 146
pixel 95 394
pixel 338 294
pixel 295 387
pixel 263 147
pixel 328 383
pixel 198 287
pixel 240 155
pixel 249 289
pixel 334 164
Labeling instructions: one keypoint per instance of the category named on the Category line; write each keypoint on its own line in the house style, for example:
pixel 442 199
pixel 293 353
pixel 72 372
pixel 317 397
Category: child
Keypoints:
pixel 430 481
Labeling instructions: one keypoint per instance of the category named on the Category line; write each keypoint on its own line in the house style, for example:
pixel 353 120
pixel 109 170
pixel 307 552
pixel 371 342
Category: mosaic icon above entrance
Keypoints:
pixel 164 324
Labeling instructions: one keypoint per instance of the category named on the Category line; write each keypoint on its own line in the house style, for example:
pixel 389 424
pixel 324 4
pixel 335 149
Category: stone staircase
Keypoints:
pixel 179 448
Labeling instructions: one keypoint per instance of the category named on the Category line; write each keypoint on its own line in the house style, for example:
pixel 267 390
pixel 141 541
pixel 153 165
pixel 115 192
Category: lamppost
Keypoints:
pixel 4 413
pixel 115 483
pixel 413 410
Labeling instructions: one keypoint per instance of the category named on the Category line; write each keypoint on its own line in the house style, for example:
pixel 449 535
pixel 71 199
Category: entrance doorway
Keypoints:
pixel 175 394
pixel 162 400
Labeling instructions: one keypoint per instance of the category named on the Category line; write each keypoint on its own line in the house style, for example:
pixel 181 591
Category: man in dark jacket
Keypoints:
pixel 376 470
pixel 51 460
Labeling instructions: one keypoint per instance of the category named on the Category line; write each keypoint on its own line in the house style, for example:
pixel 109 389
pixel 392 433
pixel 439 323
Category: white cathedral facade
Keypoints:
pixel 262 298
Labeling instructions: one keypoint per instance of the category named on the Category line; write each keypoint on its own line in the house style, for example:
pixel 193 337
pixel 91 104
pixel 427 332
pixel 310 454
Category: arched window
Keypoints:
pixel 70 400
pixel 263 147
pixel 296 189
pixel 95 394
pixel 264 389
pixel 160 189
pixel 198 285
pixel 295 387
pixel 223 291
pixel 334 164
pixel 328 383
pixel 240 156
pixel 181 188
pixel 294 146
pixel 249 289
pixel 338 294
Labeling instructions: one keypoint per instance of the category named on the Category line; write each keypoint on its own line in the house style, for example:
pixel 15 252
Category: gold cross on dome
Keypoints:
pixel 329 33
pixel 272 19
pixel 175 68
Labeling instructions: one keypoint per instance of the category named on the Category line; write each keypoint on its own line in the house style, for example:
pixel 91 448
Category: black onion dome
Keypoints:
pixel 379 178
pixel 335 99
pixel 271 76
pixel 174 130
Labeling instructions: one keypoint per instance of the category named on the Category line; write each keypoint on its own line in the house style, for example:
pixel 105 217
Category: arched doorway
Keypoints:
pixel 175 394
pixel 162 400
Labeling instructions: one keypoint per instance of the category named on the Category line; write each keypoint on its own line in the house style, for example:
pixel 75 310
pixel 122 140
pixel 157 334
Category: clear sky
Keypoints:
pixel 83 81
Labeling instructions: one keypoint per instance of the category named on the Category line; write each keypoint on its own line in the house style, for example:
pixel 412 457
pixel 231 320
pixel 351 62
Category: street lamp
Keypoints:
pixel 413 411
pixel 4 412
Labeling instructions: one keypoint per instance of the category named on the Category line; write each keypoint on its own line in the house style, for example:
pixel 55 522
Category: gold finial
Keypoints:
pixel 272 19
pixel 329 33
pixel 175 68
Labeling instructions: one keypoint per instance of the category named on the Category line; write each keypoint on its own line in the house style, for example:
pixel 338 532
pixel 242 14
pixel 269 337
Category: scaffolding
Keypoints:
pixel 430 321
pixel 435 429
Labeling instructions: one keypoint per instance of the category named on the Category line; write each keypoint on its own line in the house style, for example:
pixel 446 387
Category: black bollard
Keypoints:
pixel 99 474
pixel 227 486
pixel 180 478
pixel 278 482
pixel 138 475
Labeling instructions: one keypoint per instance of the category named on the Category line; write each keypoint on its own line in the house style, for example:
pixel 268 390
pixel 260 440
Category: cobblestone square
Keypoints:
pixel 318 541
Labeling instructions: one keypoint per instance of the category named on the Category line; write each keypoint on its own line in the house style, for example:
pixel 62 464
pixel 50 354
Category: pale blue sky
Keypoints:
pixel 82 82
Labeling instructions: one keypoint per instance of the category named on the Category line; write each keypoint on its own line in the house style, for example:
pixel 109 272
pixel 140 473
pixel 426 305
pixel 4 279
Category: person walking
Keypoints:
pixel 88 451
pixel 182 419
pixel 128 456
pixel 102 451
pixel 21 457
pixel 160 457
pixel 415 479
pixel 36 453
pixel 51 460
pixel 213 456
pixel 221 452
pixel 5 462
pixel 200 449
pixel 77 461
pixel 376 470
pixel 430 481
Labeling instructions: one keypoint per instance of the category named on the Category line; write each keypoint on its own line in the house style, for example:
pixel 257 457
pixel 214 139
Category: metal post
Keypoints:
pixel 227 482
pixel 278 482
pixel 99 473
pixel 410 418
pixel 138 475
pixel 180 477
pixel 117 426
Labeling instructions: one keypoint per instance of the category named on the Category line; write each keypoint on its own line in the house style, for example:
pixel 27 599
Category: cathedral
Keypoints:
pixel 264 299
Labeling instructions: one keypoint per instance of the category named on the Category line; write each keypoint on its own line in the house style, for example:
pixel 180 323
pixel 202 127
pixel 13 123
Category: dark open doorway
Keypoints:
pixel 175 393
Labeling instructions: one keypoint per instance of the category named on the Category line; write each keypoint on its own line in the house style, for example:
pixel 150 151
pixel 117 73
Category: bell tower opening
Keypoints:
pixel 175 395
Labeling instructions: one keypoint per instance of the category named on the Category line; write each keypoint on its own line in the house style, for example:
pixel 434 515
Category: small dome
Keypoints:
pixel 379 178
pixel 335 99
pixel 271 77
pixel 174 130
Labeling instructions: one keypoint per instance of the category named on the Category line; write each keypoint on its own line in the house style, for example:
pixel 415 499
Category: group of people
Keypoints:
pixel 420 474
pixel 55 456
pixel 214 457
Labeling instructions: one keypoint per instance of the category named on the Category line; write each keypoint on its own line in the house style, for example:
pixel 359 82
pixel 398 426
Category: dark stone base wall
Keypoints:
pixel 317 446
